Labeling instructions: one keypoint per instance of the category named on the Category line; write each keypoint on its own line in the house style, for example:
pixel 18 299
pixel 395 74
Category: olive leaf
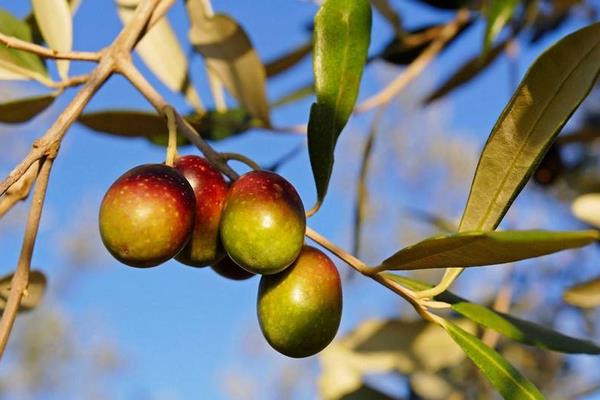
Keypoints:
pixel 228 52
pixel 499 14
pixel 56 26
pixel 467 71
pixel 552 89
pixel 295 95
pixel 212 125
pixel 288 60
pixel 30 299
pixel 584 295
pixel 17 64
pixel 587 208
pixel 341 42
pixel 22 110
pixel 504 377
pixel 405 49
pixel 514 328
pixel 477 248
pixel 162 53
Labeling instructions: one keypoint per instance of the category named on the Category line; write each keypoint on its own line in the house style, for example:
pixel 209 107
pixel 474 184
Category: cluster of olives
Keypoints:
pixel 254 225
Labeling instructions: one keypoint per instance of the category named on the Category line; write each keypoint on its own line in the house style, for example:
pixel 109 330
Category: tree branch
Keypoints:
pixel 16 43
pixel 20 279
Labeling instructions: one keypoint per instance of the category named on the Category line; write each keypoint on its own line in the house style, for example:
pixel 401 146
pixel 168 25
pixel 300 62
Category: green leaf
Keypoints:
pixel 35 291
pixel 288 60
pixel 467 71
pixel 212 125
pixel 504 377
pixel 56 25
pixel 584 295
pixel 472 249
pixel 550 92
pixel 513 328
pixel 296 95
pixel 362 193
pixel 22 110
pixel 17 64
pixel 499 14
pixel 405 49
pixel 228 52
pixel 524 331
pixel 341 44
pixel 162 53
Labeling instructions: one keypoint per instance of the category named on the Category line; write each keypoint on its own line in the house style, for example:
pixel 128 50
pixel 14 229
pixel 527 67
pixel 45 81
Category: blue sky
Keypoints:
pixel 183 332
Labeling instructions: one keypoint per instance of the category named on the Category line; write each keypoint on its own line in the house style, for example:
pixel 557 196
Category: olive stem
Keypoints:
pixel 243 159
pixel 172 144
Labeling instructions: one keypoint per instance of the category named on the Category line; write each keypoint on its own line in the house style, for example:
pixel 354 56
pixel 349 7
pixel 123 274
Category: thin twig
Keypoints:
pixel 417 66
pixel 72 81
pixel 20 278
pixel 16 43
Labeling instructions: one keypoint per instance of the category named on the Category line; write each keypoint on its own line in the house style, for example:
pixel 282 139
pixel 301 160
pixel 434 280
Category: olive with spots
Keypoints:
pixel 147 215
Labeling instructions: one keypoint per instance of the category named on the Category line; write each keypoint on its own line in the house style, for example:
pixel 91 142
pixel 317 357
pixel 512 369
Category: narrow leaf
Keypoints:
pixel 513 328
pixel 405 49
pixel 472 249
pixel 584 295
pixel 228 52
pixel 389 13
pixel 17 64
pixel 587 208
pixel 550 92
pixel 466 72
pixel 35 291
pixel 162 53
pixel 22 110
pixel 288 60
pixel 211 125
pixel 504 377
pixel 56 25
pixel 295 95
pixel 360 205
pixel 341 42
pixel 499 14
pixel 524 331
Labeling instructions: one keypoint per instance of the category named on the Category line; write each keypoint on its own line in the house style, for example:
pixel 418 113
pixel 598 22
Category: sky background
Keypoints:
pixel 183 333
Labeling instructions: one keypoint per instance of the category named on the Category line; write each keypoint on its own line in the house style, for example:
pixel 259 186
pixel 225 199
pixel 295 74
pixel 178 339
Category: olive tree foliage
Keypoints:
pixel 524 143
